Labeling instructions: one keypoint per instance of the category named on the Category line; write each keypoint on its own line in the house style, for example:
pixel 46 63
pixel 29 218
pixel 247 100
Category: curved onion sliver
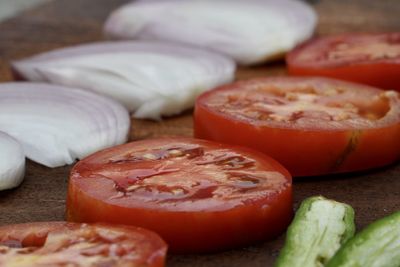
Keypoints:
pixel 57 125
pixel 250 31
pixel 12 162
pixel 150 79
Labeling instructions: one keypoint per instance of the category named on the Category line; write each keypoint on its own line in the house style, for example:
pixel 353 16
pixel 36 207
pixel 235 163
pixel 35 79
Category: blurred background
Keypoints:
pixel 9 8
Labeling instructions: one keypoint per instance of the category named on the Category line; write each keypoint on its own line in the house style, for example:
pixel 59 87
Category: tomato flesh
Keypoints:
pixel 372 59
pixel 69 244
pixel 313 126
pixel 198 195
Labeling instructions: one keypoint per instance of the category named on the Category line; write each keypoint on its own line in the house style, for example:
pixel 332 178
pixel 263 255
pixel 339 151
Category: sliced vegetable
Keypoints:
pixel 318 230
pixel 250 31
pixel 150 79
pixel 60 244
pixel 372 58
pixel 312 126
pixel 378 245
pixel 12 162
pixel 56 125
pixel 198 195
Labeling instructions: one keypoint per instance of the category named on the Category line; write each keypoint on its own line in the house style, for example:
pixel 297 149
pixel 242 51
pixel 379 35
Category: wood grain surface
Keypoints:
pixel 60 23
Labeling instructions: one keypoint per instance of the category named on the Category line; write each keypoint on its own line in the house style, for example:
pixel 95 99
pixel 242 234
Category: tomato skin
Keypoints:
pixel 189 231
pixel 210 126
pixel 151 253
pixel 304 152
pixel 382 73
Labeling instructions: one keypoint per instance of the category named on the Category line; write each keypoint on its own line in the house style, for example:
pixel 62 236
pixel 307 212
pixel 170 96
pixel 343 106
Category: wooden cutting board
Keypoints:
pixel 41 197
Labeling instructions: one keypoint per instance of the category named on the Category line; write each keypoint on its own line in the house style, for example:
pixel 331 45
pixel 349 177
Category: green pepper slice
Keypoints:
pixel 377 245
pixel 318 230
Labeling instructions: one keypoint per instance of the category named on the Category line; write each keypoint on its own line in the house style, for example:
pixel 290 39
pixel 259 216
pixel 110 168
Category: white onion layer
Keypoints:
pixel 57 125
pixel 12 162
pixel 150 79
pixel 250 31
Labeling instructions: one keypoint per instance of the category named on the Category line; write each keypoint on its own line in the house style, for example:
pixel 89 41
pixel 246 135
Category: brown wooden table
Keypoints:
pixel 60 23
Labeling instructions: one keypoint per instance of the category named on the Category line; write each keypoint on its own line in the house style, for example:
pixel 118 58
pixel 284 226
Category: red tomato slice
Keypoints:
pixel 312 126
pixel 79 245
pixel 372 59
pixel 198 195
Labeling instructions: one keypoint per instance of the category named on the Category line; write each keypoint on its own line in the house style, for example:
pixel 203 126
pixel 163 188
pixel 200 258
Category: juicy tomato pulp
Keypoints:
pixel 312 126
pixel 198 195
pixel 372 59
pixel 80 245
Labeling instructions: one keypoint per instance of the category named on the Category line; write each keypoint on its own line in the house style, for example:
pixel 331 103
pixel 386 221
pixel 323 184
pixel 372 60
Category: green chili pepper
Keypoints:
pixel 378 245
pixel 318 230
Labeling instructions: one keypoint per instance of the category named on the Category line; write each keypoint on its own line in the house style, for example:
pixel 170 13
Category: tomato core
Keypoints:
pixel 291 105
pixel 67 244
pixel 198 195
pixel 372 59
pixel 313 126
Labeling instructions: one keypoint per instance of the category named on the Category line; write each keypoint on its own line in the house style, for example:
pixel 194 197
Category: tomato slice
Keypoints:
pixel 198 195
pixel 312 126
pixel 372 59
pixel 79 245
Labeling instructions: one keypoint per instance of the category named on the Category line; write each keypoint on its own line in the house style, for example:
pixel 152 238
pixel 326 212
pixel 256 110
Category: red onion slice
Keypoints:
pixel 250 31
pixel 12 162
pixel 57 125
pixel 150 79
